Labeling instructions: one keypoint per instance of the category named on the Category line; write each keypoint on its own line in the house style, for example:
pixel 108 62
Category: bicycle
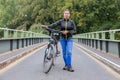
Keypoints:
pixel 51 51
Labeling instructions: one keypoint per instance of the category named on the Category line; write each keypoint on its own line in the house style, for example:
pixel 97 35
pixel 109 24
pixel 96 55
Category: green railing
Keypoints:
pixel 108 34
pixel 6 33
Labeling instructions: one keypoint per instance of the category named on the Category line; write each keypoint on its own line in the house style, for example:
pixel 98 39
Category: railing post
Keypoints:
pixel 85 35
pixel 93 35
pixel 5 33
pixel 97 35
pixel 112 35
pixel 103 35
pixel 11 45
pixel 22 34
pixel 119 49
pixel 15 34
pixel 31 34
pixel 88 35
pixel 27 34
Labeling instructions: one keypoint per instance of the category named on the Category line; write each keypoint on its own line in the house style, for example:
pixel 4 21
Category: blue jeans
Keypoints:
pixel 67 50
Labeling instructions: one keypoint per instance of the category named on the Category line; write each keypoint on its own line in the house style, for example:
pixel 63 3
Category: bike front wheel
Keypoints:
pixel 48 59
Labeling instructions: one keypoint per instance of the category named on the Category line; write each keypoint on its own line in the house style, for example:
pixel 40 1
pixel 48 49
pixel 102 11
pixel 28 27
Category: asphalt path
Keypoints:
pixel 86 67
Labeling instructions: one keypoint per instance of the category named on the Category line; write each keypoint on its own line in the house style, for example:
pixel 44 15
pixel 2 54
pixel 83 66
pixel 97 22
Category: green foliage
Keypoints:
pixel 36 28
pixel 89 15
pixel 117 36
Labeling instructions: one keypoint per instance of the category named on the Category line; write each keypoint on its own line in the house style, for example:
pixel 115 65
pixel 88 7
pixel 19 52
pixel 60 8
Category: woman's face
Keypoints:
pixel 66 14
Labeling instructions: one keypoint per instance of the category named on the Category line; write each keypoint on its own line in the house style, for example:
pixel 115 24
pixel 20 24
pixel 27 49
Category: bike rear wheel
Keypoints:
pixel 48 59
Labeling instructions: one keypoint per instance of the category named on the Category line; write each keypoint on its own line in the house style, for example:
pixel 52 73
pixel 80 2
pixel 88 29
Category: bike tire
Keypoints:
pixel 47 64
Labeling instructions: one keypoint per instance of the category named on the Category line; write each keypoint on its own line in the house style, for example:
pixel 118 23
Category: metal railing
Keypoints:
pixel 11 39
pixel 108 34
pixel 6 33
pixel 106 41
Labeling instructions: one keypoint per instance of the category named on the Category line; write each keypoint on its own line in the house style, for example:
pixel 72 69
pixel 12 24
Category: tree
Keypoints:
pixel 89 15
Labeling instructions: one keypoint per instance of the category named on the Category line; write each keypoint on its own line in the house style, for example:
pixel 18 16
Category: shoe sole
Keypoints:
pixel 71 71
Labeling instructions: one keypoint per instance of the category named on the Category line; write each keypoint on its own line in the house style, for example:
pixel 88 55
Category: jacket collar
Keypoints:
pixel 66 19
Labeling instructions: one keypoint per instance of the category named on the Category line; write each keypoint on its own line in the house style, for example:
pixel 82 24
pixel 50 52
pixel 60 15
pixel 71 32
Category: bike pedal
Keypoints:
pixel 48 58
pixel 57 55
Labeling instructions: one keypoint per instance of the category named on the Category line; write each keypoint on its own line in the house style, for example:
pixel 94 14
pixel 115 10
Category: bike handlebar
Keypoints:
pixel 52 30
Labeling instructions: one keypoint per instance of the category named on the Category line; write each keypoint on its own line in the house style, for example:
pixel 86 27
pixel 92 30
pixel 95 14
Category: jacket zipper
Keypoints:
pixel 66 29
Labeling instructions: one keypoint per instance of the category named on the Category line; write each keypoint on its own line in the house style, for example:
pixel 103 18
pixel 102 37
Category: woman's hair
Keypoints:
pixel 66 10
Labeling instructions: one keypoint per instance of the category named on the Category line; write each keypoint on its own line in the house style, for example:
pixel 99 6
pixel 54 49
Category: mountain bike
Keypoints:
pixel 51 51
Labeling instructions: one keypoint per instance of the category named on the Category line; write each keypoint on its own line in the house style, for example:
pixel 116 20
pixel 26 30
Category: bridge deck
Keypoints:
pixel 86 67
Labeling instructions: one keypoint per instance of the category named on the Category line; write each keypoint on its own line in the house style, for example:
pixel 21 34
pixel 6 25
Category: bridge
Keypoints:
pixel 96 56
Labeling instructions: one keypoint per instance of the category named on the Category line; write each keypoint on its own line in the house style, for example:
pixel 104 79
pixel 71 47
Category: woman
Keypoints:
pixel 68 28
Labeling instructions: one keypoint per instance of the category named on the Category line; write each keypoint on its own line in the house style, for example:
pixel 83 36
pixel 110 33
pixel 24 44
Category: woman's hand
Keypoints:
pixel 65 32
pixel 43 26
